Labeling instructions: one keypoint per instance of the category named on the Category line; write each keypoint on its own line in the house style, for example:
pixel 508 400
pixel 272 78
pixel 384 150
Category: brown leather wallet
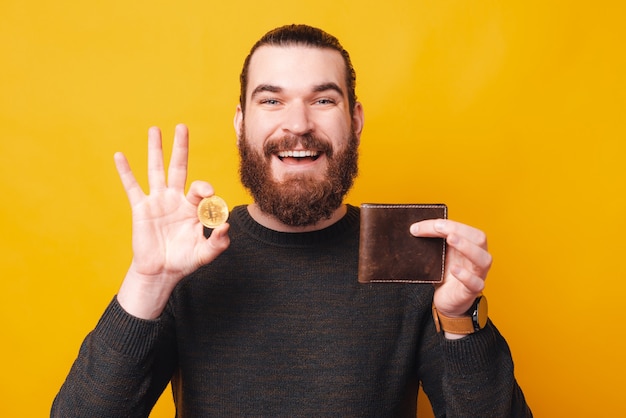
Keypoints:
pixel 389 253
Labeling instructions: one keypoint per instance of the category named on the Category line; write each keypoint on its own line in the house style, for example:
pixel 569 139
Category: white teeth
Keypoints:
pixel 298 154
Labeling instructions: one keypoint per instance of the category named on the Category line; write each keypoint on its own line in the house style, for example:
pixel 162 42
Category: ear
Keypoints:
pixel 238 122
pixel 358 120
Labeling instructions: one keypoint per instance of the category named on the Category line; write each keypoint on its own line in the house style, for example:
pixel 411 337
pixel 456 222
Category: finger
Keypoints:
pixel 478 257
pixel 156 174
pixel 132 188
pixel 215 245
pixel 441 228
pixel 198 191
pixel 474 283
pixel 177 172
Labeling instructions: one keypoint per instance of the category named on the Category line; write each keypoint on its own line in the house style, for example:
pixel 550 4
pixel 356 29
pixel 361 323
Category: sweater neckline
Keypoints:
pixel 240 217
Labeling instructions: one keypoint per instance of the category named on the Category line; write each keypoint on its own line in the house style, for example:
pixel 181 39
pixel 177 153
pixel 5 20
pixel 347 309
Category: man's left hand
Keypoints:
pixel 467 264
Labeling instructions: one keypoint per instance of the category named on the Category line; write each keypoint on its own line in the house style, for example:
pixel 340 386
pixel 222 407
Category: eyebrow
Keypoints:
pixel 265 87
pixel 276 89
pixel 328 86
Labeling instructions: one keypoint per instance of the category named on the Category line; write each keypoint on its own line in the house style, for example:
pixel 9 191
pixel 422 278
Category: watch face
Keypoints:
pixel 481 313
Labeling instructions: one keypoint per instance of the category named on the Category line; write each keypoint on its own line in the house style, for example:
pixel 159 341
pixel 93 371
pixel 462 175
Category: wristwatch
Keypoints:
pixel 475 320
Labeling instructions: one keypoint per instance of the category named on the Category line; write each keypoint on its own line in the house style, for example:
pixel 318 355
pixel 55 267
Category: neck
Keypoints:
pixel 271 222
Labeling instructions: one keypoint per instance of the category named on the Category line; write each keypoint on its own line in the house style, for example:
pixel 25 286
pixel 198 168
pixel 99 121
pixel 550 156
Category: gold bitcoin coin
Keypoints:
pixel 212 211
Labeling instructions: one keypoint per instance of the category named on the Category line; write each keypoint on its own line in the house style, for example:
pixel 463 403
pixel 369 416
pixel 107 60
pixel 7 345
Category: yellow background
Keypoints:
pixel 511 112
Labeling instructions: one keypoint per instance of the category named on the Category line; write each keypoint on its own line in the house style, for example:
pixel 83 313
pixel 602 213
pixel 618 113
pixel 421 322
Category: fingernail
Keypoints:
pixel 414 229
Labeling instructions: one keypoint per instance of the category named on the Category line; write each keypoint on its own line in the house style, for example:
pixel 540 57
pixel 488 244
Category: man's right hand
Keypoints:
pixel 167 237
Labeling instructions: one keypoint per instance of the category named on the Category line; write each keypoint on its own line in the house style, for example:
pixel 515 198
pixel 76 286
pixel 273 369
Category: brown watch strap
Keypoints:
pixel 461 325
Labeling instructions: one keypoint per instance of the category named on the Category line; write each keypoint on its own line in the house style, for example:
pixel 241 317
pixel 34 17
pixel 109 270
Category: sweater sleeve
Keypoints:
pixel 122 367
pixel 477 378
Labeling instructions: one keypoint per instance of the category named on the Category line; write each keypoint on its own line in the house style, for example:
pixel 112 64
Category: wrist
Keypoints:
pixel 144 297
pixel 452 336
pixel 456 327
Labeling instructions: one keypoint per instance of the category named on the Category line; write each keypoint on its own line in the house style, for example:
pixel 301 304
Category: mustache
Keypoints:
pixel 289 142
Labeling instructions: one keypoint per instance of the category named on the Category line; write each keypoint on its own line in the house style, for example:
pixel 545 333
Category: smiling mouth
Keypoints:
pixel 299 155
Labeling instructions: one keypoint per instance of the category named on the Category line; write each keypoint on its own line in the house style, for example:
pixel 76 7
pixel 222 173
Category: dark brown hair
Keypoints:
pixel 305 36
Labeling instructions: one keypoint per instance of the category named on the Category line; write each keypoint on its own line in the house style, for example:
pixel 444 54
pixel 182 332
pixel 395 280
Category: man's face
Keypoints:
pixel 298 139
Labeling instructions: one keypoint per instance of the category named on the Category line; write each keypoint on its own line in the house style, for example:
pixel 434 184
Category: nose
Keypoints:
pixel 298 119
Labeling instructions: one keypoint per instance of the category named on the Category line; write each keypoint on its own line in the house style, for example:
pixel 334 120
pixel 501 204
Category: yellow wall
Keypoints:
pixel 510 112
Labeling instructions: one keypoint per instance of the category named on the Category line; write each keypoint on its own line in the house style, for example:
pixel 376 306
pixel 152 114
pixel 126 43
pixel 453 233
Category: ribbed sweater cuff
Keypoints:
pixel 473 353
pixel 126 334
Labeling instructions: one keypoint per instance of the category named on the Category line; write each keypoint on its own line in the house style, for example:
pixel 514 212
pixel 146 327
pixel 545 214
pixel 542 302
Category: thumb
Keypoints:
pixel 216 244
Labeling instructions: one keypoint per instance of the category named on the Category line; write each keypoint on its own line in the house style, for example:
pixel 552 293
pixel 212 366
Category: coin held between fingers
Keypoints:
pixel 212 211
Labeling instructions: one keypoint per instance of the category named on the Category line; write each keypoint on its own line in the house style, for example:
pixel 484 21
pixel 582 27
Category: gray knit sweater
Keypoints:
pixel 278 326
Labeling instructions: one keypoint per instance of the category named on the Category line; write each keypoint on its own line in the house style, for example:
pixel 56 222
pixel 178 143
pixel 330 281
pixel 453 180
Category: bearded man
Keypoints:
pixel 265 317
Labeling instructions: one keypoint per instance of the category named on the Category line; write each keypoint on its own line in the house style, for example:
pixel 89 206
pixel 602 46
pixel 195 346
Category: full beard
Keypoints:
pixel 299 200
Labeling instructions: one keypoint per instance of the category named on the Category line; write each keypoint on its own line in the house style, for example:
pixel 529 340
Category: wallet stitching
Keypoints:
pixel 402 206
pixel 405 281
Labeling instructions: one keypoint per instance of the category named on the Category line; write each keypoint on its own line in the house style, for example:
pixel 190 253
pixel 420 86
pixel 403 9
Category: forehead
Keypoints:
pixel 295 67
